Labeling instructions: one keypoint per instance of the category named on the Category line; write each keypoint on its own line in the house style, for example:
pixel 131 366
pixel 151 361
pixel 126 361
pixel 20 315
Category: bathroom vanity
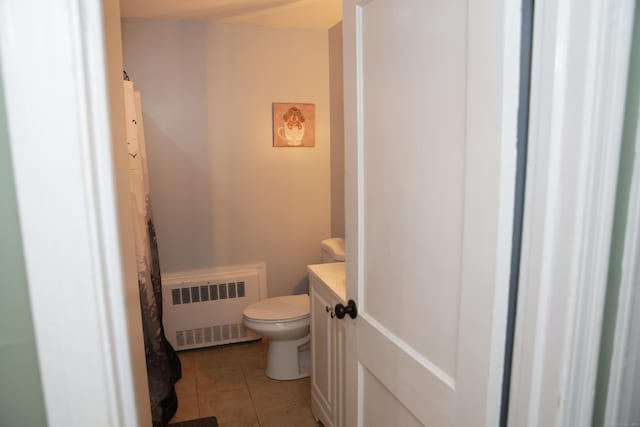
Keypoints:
pixel 327 287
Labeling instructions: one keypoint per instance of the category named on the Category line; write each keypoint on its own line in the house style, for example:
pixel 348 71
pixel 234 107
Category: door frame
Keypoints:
pixel 65 115
pixel 625 358
pixel 579 75
pixel 621 385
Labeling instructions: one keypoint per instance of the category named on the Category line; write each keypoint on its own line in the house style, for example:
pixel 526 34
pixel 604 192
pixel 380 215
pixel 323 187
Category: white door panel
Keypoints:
pixel 414 90
pixel 430 103
pixel 381 408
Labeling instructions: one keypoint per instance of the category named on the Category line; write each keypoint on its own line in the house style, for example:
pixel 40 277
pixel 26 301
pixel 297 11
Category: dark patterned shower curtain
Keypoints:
pixel 163 365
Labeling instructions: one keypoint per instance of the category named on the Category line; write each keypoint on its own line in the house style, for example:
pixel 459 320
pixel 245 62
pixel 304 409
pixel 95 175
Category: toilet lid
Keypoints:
pixel 291 307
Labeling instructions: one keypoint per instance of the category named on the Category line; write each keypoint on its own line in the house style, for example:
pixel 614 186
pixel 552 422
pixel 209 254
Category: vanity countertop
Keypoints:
pixel 334 275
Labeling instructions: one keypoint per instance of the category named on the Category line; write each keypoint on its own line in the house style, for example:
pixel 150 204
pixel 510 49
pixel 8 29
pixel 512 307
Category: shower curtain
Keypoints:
pixel 163 365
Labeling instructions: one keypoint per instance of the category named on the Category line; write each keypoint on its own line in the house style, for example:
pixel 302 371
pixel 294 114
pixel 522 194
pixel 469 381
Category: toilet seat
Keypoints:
pixel 288 308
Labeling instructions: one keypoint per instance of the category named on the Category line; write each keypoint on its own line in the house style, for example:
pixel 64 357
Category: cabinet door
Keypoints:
pixel 322 388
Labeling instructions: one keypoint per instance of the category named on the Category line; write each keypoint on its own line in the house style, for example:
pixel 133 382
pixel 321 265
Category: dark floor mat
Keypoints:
pixel 200 422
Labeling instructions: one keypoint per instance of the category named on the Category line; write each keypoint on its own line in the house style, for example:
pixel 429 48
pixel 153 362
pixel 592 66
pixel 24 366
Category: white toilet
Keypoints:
pixel 285 321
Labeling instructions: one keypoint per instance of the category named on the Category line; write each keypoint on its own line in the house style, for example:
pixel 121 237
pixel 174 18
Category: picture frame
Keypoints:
pixel 294 124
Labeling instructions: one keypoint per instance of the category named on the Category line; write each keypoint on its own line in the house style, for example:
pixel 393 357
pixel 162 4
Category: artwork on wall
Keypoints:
pixel 294 125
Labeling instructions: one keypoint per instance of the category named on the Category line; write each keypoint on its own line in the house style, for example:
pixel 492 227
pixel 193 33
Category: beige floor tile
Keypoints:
pixel 262 345
pixel 304 385
pixel 187 398
pixel 224 356
pixel 188 362
pixel 186 388
pixel 217 358
pixel 254 363
pixel 220 380
pixel 258 379
pixel 254 369
pixel 277 397
pixel 228 406
pixel 258 347
pixel 300 417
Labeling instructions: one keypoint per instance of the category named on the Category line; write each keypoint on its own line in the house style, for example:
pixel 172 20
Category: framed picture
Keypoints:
pixel 294 125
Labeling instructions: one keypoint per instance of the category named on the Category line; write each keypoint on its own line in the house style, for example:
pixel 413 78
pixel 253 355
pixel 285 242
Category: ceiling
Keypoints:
pixel 302 14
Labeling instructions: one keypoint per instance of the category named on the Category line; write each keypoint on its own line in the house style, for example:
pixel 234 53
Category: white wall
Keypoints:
pixel 337 130
pixel 222 194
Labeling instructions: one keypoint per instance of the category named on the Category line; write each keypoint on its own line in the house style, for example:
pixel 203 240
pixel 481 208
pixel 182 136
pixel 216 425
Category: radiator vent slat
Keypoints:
pixel 225 332
pixel 204 293
pixel 207 293
pixel 232 290
pixel 234 330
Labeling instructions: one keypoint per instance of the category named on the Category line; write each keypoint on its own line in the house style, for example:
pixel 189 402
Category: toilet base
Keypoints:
pixel 289 360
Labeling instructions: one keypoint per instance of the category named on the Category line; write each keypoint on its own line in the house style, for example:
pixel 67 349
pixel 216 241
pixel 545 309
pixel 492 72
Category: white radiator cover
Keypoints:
pixel 203 308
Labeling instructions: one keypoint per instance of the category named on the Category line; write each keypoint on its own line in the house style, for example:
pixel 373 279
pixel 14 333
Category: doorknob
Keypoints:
pixel 350 309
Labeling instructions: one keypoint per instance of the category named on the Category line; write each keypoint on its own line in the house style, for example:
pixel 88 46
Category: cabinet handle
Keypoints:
pixel 327 308
pixel 350 309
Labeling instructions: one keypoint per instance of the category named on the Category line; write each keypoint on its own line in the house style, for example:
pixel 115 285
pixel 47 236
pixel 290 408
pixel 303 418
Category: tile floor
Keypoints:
pixel 228 382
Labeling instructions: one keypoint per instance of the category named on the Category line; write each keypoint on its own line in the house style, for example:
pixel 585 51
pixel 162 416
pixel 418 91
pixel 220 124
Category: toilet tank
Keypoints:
pixel 333 250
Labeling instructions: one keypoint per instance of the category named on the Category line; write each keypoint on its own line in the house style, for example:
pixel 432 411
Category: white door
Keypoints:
pixel 431 108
